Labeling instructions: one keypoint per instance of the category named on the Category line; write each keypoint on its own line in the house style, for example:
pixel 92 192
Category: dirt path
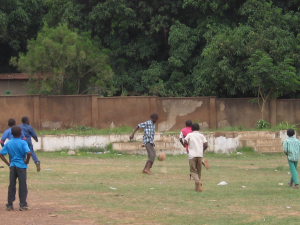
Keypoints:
pixel 43 212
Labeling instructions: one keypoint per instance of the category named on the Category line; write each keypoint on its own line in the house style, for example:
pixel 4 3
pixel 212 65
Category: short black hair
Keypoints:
pixel 188 123
pixel 290 132
pixel 16 131
pixel 154 116
pixel 25 119
pixel 195 127
pixel 11 122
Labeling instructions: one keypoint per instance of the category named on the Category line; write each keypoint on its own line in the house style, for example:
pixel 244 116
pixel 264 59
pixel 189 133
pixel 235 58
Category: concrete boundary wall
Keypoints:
pixel 223 142
pixel 61 112
pixel 51 143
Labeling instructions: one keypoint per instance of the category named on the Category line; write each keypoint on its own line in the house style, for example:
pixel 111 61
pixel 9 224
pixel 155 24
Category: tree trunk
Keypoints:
pixel 263 108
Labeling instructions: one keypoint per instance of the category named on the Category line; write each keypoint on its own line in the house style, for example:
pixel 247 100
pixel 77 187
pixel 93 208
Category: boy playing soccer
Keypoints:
pixel 197 145
pixel 148 140
pixel 291 148
pixel 29 132
pixel 7 134
pixel 18 150
pixel 184 132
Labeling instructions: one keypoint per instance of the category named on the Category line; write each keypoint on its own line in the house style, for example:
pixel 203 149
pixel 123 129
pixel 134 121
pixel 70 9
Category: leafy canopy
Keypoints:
pixel 60 61
pixel 226 48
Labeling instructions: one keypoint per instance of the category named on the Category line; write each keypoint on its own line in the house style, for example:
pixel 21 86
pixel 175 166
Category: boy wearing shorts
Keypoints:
pixel 197 145
pixel 184 132
pixel 148 140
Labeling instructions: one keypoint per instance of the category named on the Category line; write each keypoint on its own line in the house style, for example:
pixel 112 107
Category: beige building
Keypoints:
pixel 13 84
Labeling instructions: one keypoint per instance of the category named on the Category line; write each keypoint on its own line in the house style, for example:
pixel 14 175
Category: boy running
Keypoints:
pixel 148 140
pixel 7 134
pixel 18 150
pixel 184 132
pixel 29 132
pixel 197 145
pixel 291 148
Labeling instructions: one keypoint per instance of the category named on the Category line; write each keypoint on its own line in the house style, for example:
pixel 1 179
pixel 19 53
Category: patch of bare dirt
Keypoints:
pixel 43 211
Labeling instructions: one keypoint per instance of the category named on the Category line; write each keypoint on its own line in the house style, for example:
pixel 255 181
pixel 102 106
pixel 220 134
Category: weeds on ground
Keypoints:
pixel 285 126
pixel 82 130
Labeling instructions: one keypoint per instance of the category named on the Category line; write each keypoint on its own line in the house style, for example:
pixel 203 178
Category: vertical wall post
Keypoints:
pixel 36 112
pixel 212 113
pixel 94 109
pixel 273 112
pixel 153 105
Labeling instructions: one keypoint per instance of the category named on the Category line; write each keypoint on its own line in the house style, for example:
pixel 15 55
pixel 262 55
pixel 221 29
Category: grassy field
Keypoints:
pixel 110 189
pixel 82 130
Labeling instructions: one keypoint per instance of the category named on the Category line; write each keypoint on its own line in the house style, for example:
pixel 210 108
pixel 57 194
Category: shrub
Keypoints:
pixel 285 126
pixel 262 124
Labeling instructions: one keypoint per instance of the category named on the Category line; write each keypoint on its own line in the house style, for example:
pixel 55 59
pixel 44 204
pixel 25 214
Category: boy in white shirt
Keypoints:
pixel 197 145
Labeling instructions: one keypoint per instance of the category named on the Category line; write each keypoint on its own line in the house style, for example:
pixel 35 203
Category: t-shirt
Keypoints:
pixel 8 135
pixel 149 131
pixel 17 150
pixel 291 146
pixel 28 132
pixel 195 141
pixel 184 132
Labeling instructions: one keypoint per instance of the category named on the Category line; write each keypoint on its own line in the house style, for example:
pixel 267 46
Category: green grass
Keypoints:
pixel 236 129
pixel 81 184
pixel 82 130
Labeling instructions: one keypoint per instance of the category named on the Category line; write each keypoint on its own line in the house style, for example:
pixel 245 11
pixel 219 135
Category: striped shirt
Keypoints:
pixel 291 147
pixel 149 131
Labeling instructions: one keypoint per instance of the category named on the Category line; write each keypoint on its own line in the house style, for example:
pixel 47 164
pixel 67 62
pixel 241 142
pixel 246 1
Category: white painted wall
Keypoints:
pixel 50 143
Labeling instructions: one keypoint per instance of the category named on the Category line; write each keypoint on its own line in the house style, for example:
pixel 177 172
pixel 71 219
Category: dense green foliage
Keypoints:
pixel 19 21
pixel 60 60
pixel 245 48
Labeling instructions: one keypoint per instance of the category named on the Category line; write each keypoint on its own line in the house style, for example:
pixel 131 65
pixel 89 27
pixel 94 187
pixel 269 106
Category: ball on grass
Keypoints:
pixel 161 156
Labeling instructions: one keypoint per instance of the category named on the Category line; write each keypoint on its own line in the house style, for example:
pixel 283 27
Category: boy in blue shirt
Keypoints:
pixel 7 134
pixel 18 151
pixel 29 132
pixel 291 148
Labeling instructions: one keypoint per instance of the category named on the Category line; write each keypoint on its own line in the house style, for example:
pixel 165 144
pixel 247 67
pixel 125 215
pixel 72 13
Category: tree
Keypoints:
pixel 271 80
pixel 19 20
pixel 168 47
pixel 60 61
pixel 237 60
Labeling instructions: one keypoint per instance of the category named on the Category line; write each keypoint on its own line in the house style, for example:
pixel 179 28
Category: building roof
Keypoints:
pixel 13 76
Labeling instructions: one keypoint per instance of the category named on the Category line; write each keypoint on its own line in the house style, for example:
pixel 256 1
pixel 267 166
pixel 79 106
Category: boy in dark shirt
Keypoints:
pixel 29 132
pixel 7 134
pixel 18 151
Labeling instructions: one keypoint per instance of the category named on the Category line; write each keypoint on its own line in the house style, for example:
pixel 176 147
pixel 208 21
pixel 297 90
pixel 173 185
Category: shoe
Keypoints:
pixel 38 166
pixel 24 208
pixel 296 186
pixel 197 186
pixel 290 184
pixel 9 208
pixel 205 164
pixel 200 186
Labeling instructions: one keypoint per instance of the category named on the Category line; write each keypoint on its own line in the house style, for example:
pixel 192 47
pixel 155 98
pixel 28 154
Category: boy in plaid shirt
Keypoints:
pixel 148 140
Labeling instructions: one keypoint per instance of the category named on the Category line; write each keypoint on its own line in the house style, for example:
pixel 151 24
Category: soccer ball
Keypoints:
pixel 161 156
